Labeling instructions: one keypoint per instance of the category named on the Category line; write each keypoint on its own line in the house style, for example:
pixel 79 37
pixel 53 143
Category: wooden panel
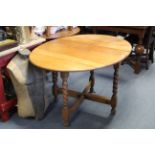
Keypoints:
pixel 80 53
pixel 136 30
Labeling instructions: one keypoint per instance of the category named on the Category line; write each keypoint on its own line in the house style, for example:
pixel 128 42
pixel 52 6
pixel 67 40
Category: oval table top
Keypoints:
pixel 80 53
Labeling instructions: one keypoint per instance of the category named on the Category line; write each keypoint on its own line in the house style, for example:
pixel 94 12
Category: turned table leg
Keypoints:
pixel 151 54
pixel 139 51
pixel 92 79
pixel 65 110
pixel 115 88
pixel 55 86
pixel 147 60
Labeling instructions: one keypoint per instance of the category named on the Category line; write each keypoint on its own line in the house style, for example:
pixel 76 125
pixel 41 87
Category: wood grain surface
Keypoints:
pixel 80 53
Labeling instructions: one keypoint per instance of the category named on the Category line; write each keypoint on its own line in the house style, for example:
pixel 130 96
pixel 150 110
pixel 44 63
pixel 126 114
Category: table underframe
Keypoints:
pixel 87 93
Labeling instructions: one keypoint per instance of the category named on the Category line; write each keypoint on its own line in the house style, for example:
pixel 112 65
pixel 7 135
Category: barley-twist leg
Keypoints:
pixel 115 88
pixel 65 110
pixel 92 79
pixel 55 86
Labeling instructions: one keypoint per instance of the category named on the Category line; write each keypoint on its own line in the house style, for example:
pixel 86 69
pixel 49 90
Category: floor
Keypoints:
pixel 135 110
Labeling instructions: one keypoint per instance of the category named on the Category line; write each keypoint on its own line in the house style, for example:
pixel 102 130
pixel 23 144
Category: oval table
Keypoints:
pixel 81 53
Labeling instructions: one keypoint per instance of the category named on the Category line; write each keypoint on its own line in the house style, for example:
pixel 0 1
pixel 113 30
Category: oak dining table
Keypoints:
pixel 81 53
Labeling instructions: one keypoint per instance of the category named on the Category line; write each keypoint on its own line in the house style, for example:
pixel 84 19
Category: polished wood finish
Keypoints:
pixel 81 97
pixel 63 33
pixel 65 110
pixel 88 96
pixel 81 53
pixel 140 32
pixel 115 87
pixel 136 30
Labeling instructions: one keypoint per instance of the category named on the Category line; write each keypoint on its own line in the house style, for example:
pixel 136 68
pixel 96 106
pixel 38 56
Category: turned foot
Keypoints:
pixel 65 115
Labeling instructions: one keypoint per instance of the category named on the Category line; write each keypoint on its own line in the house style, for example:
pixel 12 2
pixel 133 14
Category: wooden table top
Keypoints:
pixel 63 33
pixel 80 53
